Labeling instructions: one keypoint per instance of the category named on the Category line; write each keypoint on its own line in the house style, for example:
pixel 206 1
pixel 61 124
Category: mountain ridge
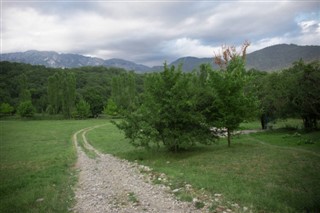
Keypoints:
pixel 267 59
pixel 270 58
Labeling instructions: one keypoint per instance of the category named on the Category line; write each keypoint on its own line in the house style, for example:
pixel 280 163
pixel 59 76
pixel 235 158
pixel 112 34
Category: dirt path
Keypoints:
pixel 109 184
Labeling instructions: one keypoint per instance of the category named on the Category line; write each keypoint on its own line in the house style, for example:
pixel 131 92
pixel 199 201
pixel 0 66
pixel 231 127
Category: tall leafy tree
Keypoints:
pixel 62 93
pixel 93 95
pixel 124 91
pixel 68 90
pixel 168 114
pixel 233 102
pixel 292 92
pixel 24 94
pixel 302 91
pixel 25 108
pixel 204 98
pixel 54 94
pixel 257 85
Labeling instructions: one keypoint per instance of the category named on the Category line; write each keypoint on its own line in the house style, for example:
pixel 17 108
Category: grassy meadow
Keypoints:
pixel 36 167
pixel 274 171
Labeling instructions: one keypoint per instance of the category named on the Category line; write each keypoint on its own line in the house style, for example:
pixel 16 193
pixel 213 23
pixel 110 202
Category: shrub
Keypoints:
pixel 6 109
pixel 111 108
pixel 83 109
pixel 26 109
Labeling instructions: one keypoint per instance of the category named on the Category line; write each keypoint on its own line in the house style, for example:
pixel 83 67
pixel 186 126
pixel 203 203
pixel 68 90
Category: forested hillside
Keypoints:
pixel 92 84
pixel 90 91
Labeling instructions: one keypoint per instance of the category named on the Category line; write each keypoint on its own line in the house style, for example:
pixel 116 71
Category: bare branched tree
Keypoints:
pixel 229 53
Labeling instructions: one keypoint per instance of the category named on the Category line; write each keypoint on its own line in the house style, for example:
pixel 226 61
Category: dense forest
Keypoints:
pixel 49 89
pixel 91 91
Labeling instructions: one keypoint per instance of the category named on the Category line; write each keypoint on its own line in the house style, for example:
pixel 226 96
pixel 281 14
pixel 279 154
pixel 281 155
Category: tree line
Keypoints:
pixel 179 110
pixel 169 108
pixel 292 92
pixel 66 92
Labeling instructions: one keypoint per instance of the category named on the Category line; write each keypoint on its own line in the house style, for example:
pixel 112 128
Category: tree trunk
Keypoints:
pixel 229 137
pixel 264 121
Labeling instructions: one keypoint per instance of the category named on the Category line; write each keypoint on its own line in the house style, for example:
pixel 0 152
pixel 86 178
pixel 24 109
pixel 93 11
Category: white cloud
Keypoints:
pixel 266 42
pixel 25 29
pixel 154 31
pixel 188 47
pixel 310 26
pixel 307 33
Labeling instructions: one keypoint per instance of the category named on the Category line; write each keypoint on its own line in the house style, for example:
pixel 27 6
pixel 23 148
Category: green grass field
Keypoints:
pixel 275 171
pixel 281 174
pixel 36 167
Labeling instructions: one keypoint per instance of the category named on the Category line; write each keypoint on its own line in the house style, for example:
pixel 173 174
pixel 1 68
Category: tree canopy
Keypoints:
pixel 168 114
pixel 174 101
pixel 233 102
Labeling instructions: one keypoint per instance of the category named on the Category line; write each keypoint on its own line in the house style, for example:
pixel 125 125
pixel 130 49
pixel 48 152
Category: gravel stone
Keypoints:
pixel 105 184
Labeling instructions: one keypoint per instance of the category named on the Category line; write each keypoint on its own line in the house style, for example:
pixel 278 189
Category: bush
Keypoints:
pixel 83 109
pixel 111 108
pixel 26 109
pixel 6 109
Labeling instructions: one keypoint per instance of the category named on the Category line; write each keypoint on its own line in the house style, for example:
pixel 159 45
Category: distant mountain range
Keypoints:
pixel 271 58
pixel 268 59
pixel 55 60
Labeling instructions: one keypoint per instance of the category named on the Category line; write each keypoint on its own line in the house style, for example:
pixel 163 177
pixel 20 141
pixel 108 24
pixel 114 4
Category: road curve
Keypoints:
pixel 109 184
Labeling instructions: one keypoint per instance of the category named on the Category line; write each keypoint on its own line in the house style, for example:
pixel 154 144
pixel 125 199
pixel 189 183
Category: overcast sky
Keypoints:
pixel 150 32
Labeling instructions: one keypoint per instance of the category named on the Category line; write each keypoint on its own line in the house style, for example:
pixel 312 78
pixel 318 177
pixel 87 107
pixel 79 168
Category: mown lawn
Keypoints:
pixel 274 171
pixel 36 165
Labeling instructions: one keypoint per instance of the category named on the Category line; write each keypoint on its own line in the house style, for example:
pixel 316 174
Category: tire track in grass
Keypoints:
pixel 87 145
pixel 282 147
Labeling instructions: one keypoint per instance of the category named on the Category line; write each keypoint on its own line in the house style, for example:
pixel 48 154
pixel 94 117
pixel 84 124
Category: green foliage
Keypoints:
pixel 54 94
pixel 24 94
pixel 293 92
pixel 68 90
pixel 26 109
pixel 234 103
pixel 168 114
pixel 124 91
pixel 83 109
pixel 248 173
pixel 304 92
pixel 93 95
pixel 111 108
pixel 61 93
pixel 6 109
pixel 44 86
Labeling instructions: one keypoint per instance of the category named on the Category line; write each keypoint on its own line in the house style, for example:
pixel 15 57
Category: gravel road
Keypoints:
pixel 109 184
